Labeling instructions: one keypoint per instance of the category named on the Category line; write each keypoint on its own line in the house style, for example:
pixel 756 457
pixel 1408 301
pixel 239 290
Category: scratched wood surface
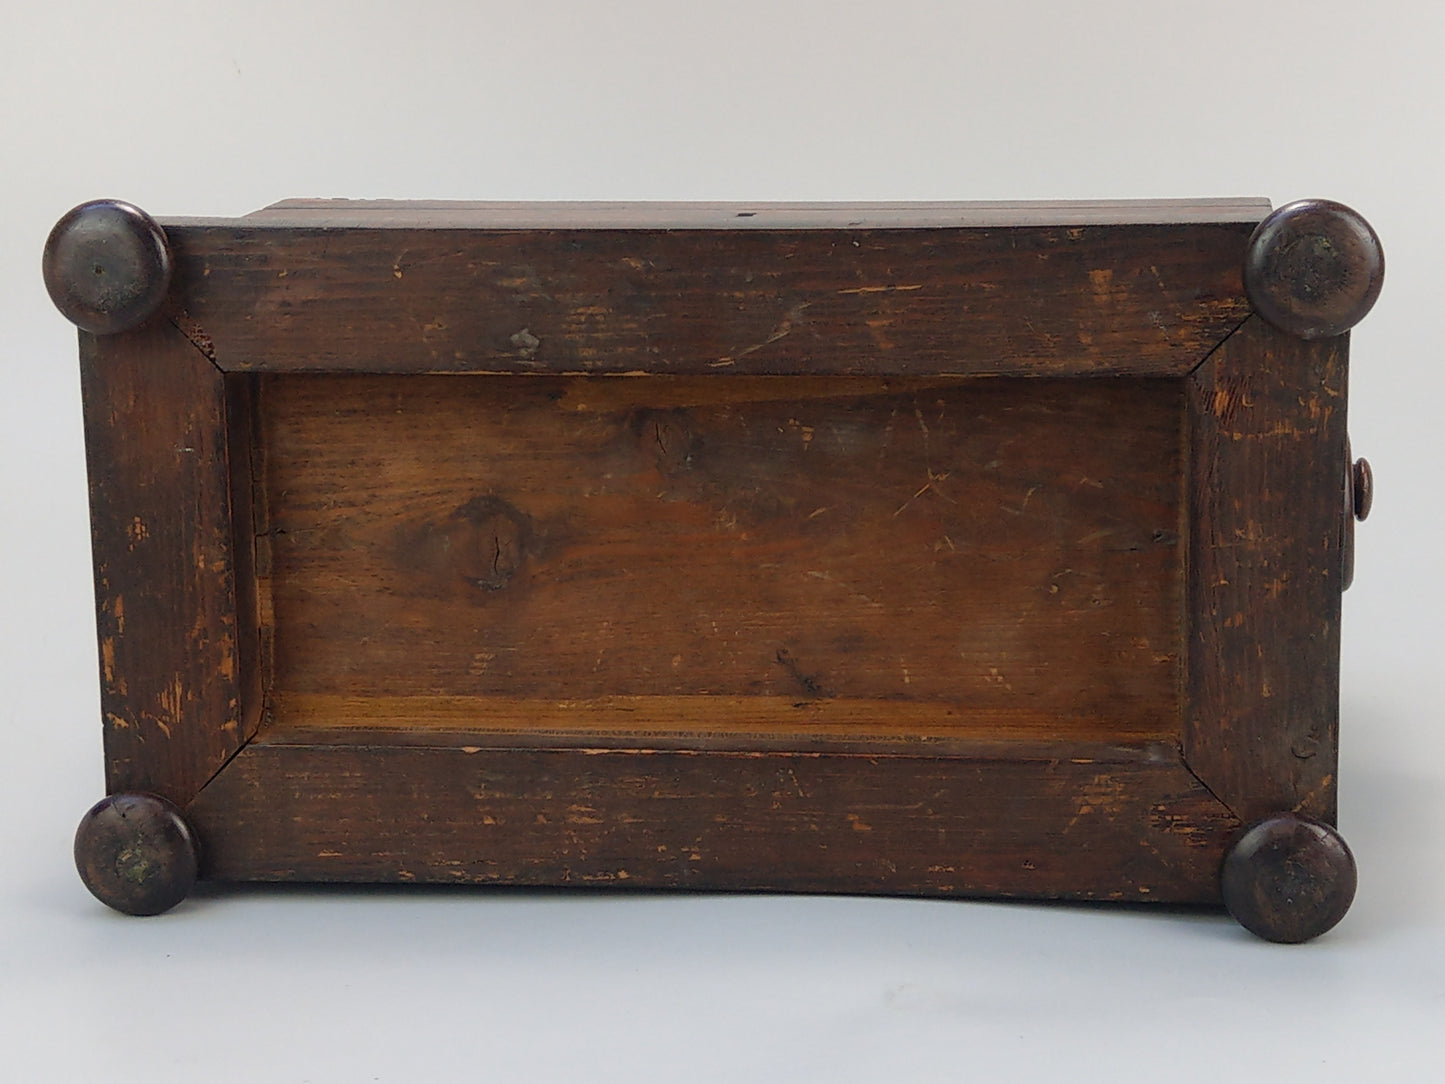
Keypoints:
pixel 1268 450
pixel 165 560
pixel 870 586
pixel 732 723
pixel 1036 299
pixel 1005 550
pixel 1131 825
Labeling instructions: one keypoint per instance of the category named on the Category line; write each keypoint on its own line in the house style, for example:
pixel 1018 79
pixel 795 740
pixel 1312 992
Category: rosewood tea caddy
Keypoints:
pixel 941 549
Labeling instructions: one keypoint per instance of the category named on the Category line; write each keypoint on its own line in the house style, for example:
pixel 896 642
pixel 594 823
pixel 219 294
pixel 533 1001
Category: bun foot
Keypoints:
pixel 1314 268
pixel 1288 878
pixel 107 266
pixel 136 854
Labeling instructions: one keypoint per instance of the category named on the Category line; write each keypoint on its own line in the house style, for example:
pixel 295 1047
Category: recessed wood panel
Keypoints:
pixel 1000 549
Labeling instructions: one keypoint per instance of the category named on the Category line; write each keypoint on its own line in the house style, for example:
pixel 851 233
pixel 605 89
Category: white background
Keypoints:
pixel 200 108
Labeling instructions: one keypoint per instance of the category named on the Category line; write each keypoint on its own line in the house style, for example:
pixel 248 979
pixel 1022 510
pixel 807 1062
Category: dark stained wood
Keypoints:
pixel 1288 879
pixel 1135 826
pixel 107 266
pixel 1314 268
pixel 661 215
pixel 1359 498
pixel 400 577
pixel 981 546
pixel 242 441
pixel 1348 517
pixel 1362 489
pixel 1025 300
pixel 261 526
pixel 136 854
pixel 164 552
pixel 1267 438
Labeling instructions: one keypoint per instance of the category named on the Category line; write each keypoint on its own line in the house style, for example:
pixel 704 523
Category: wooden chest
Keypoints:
pixel 949 549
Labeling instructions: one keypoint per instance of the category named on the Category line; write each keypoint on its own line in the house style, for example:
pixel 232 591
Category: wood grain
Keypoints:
pixel 986 546
pixel 735 723
pixel 868 586
pixel 252 658
pixel 1267 446
pixel 1132 825
pixel 1005 299
pixel 165 560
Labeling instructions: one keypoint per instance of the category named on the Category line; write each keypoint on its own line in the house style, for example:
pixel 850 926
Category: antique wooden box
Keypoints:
pixel 949 549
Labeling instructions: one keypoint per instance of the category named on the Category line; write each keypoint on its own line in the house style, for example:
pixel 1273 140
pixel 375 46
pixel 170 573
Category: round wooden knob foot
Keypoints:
pixel 1314 268
pixel 107 266
pixel 1288 878
pixel 136 854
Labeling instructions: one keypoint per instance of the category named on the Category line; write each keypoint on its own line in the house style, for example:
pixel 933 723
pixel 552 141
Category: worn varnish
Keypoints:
pixel 1042 300
pixel 985 546
pixel 165 560
pixel 1266 492
pixel 1129 824
pixel 933 548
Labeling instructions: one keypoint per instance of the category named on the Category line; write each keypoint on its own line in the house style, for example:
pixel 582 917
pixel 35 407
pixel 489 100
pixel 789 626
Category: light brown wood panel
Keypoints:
pixel 995 546
pixel 740 723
